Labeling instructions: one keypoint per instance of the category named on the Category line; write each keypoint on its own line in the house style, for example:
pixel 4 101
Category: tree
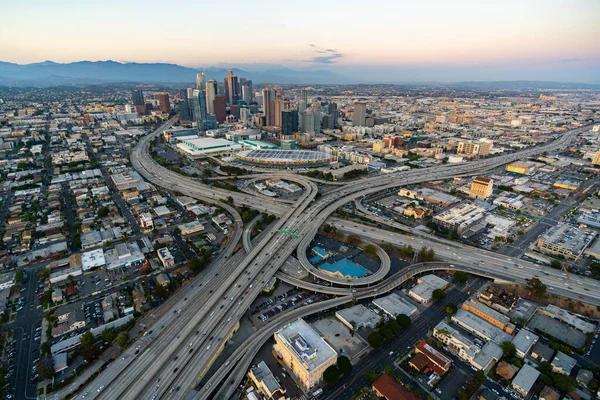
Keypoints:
pixel 508 349
pixel 409 251
pixel 403 320
pixel 344 365
pixel 556 264
pixel 564 383
pixel 438 294
pixel 229 200
pixel 480 376
pixel 332 375
pixel 370 250
pixel 45 348
pixel 123 339
pixel 109 334
pixel 393 326
pixel 371 376
pixel 19 277
pixel 451 309
pixel 461 277
pixel 375 339
pixel 89 351
pixel 44 273
pixel 386 333
pixel 536 286
pixel 388 370
pixel 103 212
pixel 46 368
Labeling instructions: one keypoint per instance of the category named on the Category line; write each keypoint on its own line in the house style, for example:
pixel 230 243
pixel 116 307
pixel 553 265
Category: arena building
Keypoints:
pixel 285 158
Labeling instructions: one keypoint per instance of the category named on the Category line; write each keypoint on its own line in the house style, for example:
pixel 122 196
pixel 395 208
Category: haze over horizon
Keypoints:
pixel 387 42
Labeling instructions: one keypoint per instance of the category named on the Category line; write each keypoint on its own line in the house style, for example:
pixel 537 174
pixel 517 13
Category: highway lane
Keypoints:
pixel 558 282
pixel 303 221
pixel 318 204
pixel 225 319
pixel 128 388
pixel 159 175
pixel 343 193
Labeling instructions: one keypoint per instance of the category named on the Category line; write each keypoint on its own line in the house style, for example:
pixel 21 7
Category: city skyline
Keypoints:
pixel 403 42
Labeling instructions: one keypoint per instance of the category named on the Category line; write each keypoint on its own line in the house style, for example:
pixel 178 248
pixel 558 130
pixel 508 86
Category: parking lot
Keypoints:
pixel 292 298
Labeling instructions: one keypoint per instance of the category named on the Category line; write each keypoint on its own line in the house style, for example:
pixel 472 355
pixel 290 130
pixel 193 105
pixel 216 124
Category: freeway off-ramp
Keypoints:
pixel 179 352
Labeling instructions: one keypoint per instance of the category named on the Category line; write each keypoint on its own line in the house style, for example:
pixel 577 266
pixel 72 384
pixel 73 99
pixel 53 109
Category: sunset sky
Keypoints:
pixel 429 40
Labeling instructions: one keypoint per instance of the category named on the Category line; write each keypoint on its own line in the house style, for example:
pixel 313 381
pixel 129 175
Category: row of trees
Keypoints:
pixel 333 374
pixel 388 330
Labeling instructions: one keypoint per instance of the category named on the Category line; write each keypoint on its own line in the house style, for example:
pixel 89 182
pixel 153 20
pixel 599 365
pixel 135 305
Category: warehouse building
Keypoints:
pixel 92 259
pixel 357 317
pixel 394 305
pixel 58 277
pixel 423 291
pixel 124 255
pixel 189 228
pixel 521 167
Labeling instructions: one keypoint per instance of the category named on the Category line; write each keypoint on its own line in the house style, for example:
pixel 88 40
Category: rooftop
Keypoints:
pixel 524 340
pixel 360 315
pixel 391 389
pixel 480 327
pixel 395 305
pixel 284 156
pixel 305 344
pixel 526 378
pixel 92 259
pixel 487 311
pixel 263 374
pixel 569 237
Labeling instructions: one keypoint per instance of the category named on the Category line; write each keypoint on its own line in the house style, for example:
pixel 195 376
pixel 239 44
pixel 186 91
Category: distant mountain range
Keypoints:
pixel 49 73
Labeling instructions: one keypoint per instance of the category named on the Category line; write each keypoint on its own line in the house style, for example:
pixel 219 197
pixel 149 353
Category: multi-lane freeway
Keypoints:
pixel 182 343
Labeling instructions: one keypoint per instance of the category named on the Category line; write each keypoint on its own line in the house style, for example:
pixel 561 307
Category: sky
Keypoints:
pixel 431 40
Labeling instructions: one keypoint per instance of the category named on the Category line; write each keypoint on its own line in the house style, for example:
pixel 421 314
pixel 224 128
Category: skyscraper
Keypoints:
pixel 220 108
pixel 245 114
pixel 137 97
pixel 289 122
pixel 195 107
pixel 247 94
pixel 211 92
pixel 200 77
pixel 269 105
pixel 304 96
pixel 327 121
pixel 280 105
pixel 309 121
pixel 165 104
pixel 360 114
pixel 184 111
pixel 231 87
pixel 333 111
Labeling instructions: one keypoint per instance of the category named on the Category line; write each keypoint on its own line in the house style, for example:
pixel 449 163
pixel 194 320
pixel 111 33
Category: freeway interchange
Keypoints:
pixel 177 350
